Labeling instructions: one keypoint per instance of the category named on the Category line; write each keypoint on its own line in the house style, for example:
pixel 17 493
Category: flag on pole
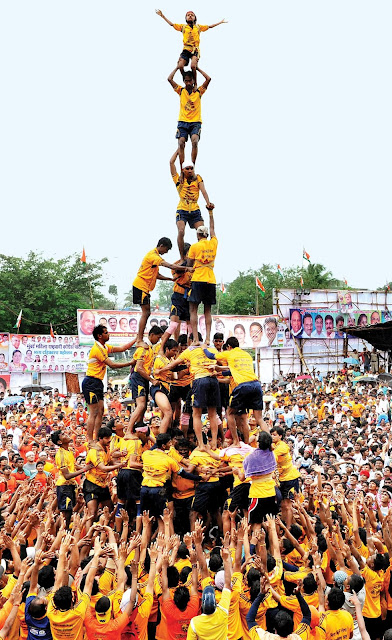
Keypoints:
pixel 279 269
pixel 345 282
pixel 260 286
pixel 83 258
pixel 19 320
pixel 301 282
pixel 388 287
pixel 51 331
pixel 305 256
pixel 222 287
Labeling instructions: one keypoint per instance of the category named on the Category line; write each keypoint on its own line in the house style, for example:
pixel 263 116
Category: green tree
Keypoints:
pixel 317 277
pixel 162 294
pixel 113 292
pixel 48 291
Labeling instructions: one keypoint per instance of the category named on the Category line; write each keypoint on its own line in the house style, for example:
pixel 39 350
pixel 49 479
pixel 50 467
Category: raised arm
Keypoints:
pixel 211 26
pixel 159 13
pixel 171 79
pixel 212 225
pixel 125 347
pixel 210 206
pixel 204 74
pixel 173 168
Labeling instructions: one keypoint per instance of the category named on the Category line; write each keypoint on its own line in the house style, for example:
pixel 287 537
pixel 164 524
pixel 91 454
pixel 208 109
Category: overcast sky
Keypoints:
pixel 295 148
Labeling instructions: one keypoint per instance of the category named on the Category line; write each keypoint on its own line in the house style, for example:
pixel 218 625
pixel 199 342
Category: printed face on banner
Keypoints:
pixel 4 345
pixel 322 323
pixel 345 301
pixel 251 331
pixel 44 354
pixel 4 382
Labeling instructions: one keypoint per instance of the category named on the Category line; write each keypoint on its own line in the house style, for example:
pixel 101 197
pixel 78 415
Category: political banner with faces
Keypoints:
pixel 44 354
pixel 323 323
pixel 4 345
pixel 251 331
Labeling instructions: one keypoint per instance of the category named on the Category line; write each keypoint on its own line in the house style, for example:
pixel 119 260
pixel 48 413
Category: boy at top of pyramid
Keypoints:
pixel 191 39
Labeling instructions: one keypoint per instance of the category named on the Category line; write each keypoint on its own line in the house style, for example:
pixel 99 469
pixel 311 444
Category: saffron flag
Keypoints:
pixel 345 282
pixel 305 256
pixel 301 281
pixel 260 286
pixel 83 258
pixel 279 269
pixel 19 320
pixel 51 331
pixel 222 287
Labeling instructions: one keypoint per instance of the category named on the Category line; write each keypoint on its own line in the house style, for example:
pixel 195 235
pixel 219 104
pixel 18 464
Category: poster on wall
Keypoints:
pixel 4 346
pixel 30 353
pixel 323 323
pixel 5 380
pixel 251 331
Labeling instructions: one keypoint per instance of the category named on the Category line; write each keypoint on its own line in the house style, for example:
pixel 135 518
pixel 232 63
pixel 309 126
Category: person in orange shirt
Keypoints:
pixel 184 606
pixel 40 477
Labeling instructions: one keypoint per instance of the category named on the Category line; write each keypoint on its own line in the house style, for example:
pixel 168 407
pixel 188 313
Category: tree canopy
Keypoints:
pixel 48 291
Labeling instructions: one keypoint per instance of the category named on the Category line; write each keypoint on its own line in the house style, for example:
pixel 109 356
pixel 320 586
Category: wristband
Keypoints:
pixel 194 566
pixel 317 566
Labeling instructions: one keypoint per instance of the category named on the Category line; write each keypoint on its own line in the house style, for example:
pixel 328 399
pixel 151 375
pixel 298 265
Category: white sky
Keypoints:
pixel 296 140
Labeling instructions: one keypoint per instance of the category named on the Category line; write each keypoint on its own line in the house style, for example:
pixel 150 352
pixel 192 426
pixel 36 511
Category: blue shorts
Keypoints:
pixel 179 306
pixel 190 217
pixel 158 387
pixel 205 392
pixel 66 497
pixel 185 129
pixel 188 55
pixel 154 500
pixel 204 292
pixel 245 396
pixel 92 389
pixel 139 386
pixel 288 488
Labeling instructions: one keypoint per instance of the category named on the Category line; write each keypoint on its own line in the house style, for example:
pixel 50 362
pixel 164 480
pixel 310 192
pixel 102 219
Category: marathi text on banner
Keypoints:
pixel 323 323
pixel 44 354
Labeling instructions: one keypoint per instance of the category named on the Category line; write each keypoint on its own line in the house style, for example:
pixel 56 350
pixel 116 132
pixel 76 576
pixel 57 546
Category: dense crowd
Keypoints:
pixel 280 528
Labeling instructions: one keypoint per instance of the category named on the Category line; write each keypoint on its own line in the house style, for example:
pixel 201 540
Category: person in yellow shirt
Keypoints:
pixel 191 38
pixel 189 119
pixel 188 185
pixel 288 474
pixel 92 385
pixel 66 484
pixel 161 389
pixel 201 257
pixel 335 623
pixel 141 375
pixel 146 279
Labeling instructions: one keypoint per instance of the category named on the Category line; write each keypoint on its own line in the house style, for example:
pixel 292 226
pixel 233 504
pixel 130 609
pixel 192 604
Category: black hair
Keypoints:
pixel 283 623
pixel 336 599
pixel 37 608
pixel 356 582
pixel 181 598
pixel 55 436
pixel 218 336
pixel 98 331
pixel 254 589
pixel 155 331
pixel 265 441
pixel 172 577
pixel 95 588
pixel 184 573
pixel 104 432
pixel 103 605
pixel 166 242
pixel 309 584
pixel 183 339
pixel 232 342
pixel 379 562
pixel 46 577
pixel 296 531
pixel 182 551
pixel 187 246
pixel 216 563
pixel 278 430
pixel 199 336
pixel 271 563
pixel 190 75
pixel 62 598
pixel 171 344
pixel 162 438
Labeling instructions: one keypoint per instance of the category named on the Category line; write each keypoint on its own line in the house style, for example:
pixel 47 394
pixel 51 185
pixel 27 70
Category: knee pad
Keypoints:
pixel 120 506
pixel 172 327
pixel 185 419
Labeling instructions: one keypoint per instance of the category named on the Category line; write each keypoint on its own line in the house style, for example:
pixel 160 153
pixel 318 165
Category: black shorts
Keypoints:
pixel 204 292
pixel 179 306
pixel 66 497
pixel 188 55
pixel 288 488
pixel 259 508
pixel 140 387
pixel 189 217
pixel 239 497
pixel 245 396
pixel 140 297
pixel 129 482
pixel 93 491
pixel 158 387
pixel 179 393
pixel 207 498
pixel 92 389
pixel 373 627
pixel 205 392
pixel 154 500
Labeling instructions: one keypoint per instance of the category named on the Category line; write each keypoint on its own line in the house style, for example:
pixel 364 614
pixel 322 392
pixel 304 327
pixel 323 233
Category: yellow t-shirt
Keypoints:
pixel 198 362
pixel 181 279
pixel 157 468
pixel 336 624
pixel 203 459
pixel 147 356
pixel 95 475
pixel 143 613
pixel 164 378
pixel 240 364
pixel 203 253
pixel 373 584
pixel 190 104
pixel 262 486
pixel 68 625
pixel 134 448
pixel 191 35
pixel 286 469
pixel 65 458
pixel 188 192
pixel 97 357
pixel 213 626
pixel 146 277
